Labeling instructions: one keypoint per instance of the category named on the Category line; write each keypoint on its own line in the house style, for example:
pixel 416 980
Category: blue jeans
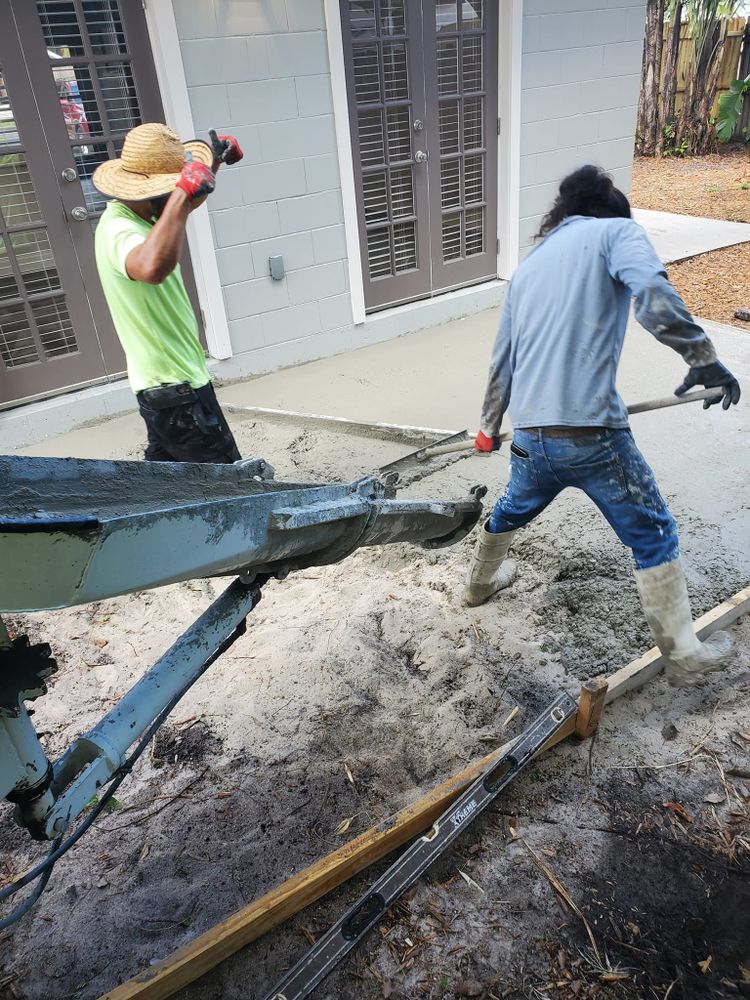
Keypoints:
pixel 610 469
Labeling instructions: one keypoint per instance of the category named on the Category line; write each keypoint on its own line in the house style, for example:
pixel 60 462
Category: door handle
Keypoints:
pixel 420 156
pixel 79 213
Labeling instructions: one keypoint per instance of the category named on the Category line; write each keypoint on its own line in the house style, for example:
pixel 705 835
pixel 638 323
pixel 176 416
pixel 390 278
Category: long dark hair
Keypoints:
pixel 587 191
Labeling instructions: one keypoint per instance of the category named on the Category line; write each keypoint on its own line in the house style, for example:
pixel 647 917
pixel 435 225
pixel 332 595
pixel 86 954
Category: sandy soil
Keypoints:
pixel 372 667
pixel 717 186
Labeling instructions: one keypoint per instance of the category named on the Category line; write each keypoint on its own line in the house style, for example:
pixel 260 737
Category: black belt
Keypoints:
pixel 565 432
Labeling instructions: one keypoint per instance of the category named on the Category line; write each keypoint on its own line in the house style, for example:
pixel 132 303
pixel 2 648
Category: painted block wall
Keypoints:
pixel 581 67
pixel 259 69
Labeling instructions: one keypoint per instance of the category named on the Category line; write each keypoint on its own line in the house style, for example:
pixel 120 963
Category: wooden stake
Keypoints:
pixel 199 956
pixel 590 706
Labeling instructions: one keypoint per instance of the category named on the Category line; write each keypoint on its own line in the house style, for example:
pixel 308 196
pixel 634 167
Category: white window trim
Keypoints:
pixel 509 147
pixel 170 72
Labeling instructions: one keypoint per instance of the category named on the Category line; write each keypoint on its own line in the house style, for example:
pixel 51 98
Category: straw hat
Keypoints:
pixel 151 163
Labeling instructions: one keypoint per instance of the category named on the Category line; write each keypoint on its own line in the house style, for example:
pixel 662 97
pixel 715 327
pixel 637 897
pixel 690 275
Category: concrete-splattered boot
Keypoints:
pixel 489 571
pixel 665 602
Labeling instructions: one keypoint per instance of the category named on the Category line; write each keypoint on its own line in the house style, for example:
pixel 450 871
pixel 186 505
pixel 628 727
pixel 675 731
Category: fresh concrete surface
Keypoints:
pixel 677 237
pixel 436 378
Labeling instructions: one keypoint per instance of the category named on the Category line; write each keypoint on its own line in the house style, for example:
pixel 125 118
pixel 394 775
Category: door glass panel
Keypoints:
pixel 119 96
pixel 104 26
pixel 381 74
pixel 447 63
pixel 36 261
pixel 77 97
pixel 463 157
pixel 371 149
pixel 395 73
pixel 392 17
pixel 54 326
pixel 62 32
pixel 8 129
pixel 17 196
pixel 362 18
pixel 8 283
pixel 17 346
pixel 87 160
pixel 379 253
pixel 399 134
pixel 446 15
pixel 404 247
pixel 402 193
pixel 471 14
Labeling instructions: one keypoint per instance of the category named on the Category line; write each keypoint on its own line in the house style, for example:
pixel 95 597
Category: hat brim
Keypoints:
pixel 113 180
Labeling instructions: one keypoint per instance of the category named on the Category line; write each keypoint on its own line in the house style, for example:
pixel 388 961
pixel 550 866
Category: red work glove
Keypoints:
pixel 196 180
pixel 226 148
pixel 484 443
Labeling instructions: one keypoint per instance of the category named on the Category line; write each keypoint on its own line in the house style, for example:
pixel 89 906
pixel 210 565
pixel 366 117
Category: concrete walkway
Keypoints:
pixel 677 237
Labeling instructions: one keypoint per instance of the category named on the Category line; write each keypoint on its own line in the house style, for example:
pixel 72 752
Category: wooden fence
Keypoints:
pixel 735 64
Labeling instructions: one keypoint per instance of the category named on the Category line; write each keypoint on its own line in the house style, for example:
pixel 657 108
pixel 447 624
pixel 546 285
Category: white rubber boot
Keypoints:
pixel 489 571
pixel 665 602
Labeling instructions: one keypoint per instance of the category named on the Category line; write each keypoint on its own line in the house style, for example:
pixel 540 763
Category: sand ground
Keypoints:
pixel 373 668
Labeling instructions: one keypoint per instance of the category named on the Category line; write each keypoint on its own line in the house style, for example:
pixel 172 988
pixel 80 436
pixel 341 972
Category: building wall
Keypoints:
pixel 579 91
pixel 259 69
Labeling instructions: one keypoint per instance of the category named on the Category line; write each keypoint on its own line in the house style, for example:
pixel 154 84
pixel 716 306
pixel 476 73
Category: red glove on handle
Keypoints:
pixel 226 148
pixel 484 443
pixel 196 180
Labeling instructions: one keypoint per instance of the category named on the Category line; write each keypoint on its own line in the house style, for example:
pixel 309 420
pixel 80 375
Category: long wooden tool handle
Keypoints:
pixel 651 404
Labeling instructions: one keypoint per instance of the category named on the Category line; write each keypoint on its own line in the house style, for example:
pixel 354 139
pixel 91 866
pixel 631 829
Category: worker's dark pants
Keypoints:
pixel 608 467
pixel 186 425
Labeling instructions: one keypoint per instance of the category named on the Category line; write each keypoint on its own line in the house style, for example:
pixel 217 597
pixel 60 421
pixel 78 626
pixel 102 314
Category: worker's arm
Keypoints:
pixel 632 260
pixel 153 260
pixel 497 394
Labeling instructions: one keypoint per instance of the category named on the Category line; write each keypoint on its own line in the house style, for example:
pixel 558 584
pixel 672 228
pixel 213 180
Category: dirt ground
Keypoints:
pixel 717 186
pixel 372 668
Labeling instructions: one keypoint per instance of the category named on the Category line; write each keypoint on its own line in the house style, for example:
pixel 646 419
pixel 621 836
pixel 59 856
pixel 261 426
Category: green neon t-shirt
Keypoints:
pixel 155 323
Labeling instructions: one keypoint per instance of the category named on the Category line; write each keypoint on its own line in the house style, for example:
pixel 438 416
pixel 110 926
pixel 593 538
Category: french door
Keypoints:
pixel 75 76
pixel 422 86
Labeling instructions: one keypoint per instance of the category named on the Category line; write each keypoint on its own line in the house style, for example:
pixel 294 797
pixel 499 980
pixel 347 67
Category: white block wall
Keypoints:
pixel 579 91
pixel 259 69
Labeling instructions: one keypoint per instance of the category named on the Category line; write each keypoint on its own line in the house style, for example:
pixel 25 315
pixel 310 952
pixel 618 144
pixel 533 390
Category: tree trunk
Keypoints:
pixel 648 100
pixel 669 80
pixel 695 127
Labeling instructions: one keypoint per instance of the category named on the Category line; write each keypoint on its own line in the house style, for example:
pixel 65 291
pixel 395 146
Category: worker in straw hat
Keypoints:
pixel 155 185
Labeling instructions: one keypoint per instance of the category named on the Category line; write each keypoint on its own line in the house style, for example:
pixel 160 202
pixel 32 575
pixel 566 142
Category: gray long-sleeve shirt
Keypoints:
pixel 555 358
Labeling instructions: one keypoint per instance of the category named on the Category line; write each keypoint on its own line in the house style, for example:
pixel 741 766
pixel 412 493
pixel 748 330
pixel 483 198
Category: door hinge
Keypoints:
pixel 498 245
pixel 499 126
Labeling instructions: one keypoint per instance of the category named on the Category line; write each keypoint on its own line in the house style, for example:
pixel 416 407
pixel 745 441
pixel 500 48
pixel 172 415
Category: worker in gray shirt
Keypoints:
pixel 554 365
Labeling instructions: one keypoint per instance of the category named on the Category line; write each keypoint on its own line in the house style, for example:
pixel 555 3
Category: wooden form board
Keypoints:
pixel 248 924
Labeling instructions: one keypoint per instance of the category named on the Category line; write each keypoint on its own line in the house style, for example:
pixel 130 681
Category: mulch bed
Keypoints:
pixel 716 186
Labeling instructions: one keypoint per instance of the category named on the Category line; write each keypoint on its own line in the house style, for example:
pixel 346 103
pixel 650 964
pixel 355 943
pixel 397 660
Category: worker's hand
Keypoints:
pixel 226 148
pixel 712 376
pixel 484 443
pixel 196 180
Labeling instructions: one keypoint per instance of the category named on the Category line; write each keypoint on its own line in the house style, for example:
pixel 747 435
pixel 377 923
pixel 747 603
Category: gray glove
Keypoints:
pixel 715 375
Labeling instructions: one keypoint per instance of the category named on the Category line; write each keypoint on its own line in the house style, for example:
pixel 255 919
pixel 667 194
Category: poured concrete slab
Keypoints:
pixel 677 237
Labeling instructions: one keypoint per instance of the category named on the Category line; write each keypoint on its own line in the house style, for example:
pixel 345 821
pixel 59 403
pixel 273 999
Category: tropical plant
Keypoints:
pixel 730 108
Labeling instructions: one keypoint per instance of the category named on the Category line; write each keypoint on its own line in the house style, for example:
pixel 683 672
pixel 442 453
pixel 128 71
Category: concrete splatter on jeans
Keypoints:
pixel 608 467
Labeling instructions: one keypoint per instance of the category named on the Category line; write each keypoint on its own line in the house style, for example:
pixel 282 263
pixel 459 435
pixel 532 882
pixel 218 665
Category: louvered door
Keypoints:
pixel 383 48
pixel 422 85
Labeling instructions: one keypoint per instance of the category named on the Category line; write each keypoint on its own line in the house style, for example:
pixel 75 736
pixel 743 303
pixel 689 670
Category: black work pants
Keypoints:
pixel 186 425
